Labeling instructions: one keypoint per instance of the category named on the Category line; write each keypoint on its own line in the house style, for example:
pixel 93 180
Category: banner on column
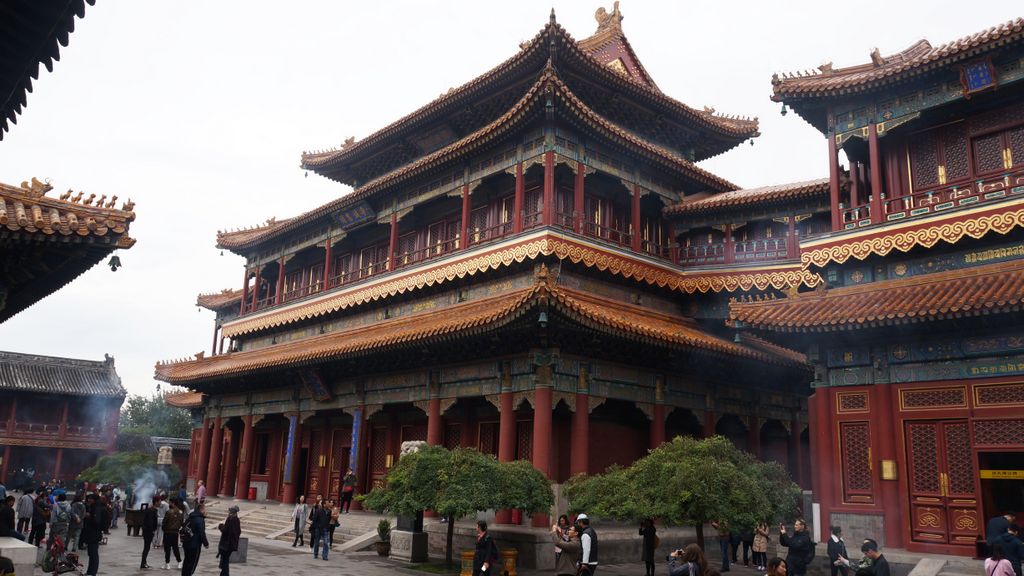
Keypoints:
pixel 289 450
pixel 357 424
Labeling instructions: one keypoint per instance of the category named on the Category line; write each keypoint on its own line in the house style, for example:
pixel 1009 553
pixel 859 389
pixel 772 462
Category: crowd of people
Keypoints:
pixel 319 520
pixel 1006 550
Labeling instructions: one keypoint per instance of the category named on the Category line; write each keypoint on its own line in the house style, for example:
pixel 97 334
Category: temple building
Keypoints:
pixel 502 276
pixel 60 415
pixel 533 265
pixel 915 335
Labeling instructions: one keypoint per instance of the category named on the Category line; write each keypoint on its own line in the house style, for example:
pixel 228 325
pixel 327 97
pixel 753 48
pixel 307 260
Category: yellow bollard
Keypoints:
pixel 508 561
pixel 467 563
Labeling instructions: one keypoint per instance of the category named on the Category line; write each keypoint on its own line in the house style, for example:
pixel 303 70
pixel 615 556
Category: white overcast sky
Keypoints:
pixel 200 110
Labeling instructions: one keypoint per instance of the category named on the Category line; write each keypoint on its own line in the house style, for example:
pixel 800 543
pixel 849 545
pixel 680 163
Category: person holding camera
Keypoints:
pixel 568 548
pixel 687 561
pixel 801 548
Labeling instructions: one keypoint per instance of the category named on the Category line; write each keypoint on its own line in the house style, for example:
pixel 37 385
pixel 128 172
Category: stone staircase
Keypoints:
pixel 274 521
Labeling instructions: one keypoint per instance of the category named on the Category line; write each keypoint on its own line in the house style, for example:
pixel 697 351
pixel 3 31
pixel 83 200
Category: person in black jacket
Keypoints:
pixel 7 520
pixel 801 549
pixel 230 531
pixel 92 532
pixel 486 554
pixel 1013 548
pixel 150 523
pixel 879 565
pixel 650 534
pixel 837 555
pixel 196 523
pixel 320 529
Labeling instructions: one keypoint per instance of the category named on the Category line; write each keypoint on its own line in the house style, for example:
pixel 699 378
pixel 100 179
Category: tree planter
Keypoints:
pixel 383 548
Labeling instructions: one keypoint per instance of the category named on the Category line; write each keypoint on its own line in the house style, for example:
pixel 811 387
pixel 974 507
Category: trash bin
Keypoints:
pixel 252 493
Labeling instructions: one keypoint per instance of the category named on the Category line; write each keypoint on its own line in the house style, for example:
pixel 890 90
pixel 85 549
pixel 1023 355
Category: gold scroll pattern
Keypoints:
pixel 950 232
pixel 561 249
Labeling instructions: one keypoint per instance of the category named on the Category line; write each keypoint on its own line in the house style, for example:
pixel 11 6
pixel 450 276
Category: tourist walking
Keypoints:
pixel 837 552
pixel 173 520
pixel 92 532
pixel 201 493
pixel 75 530
pixel 567 548
pixel 320 528
pixel 588 541
pixel 193 539
pixel 996 564
pixel 879 565
pixel 724 538
pixel 230 531
pixel 335 511
pixel 689 561
pixel 348 489
pixel 760 546
pixel 150 522
pixel 485 554
pixel 650 542
pixel 26 504
pixel 299 516
pixel 801 549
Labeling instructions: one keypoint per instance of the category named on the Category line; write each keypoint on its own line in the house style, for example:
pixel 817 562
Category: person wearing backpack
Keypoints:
pixel 75 529
pixel 193 538
pixel 801 548
pixel 60 520
pixel 92 531
pixel 173 519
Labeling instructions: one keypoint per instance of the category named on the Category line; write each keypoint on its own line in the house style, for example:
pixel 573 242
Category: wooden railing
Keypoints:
pixel 426 253
pixel 613 235
pixel 761 249
pixel 703 254
pixel 481 235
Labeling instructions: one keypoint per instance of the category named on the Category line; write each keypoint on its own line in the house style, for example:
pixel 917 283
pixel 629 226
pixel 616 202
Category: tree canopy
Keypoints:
pixel 456 483
pixel 151 416
pixel 690 482
pixel 127 468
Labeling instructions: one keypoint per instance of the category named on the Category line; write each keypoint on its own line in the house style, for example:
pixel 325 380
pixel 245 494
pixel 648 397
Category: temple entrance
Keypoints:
pixel 943 505
pixel 1002 482
pixel 300 472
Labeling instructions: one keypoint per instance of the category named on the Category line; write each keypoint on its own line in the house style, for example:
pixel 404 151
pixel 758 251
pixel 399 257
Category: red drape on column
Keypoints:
pixel 245 458
pixel 213 467
pixel 549 188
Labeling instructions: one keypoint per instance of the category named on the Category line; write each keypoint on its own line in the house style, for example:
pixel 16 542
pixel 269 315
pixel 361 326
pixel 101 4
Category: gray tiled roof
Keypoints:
pixel 53 375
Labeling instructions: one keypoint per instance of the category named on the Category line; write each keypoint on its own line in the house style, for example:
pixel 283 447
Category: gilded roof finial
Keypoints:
pixel 551 18
pixel 608 21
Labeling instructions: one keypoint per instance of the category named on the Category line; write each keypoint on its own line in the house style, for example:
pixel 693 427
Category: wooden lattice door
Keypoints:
pixel 943 502
pixel 378 456
pixel 340 452
pixel 315 464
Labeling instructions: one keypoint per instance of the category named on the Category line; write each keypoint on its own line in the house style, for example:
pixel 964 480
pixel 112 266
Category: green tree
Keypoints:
pixel 690 482
pixel 151 416
pixel 455 483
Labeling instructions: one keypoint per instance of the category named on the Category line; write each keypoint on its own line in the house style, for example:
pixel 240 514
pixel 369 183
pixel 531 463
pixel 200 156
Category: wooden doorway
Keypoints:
pixel 943 503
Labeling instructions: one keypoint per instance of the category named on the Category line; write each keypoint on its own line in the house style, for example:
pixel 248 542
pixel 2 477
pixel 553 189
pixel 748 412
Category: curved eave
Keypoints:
pixel 755 197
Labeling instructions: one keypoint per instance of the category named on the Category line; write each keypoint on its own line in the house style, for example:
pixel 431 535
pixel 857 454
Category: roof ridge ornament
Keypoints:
pixel 609 21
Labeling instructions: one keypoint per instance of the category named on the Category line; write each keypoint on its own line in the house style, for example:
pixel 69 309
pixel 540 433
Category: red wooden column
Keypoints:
pixel 754 436
pixel 5 464
pixel 548 215
pixel 730 247
pixel 216 330
pixel 216 452
pixel 578 195
pixel 579 453
pixel 673 243
pixel 204 452
pixel 519 200
pixel 62 430
pixel 245 459
pixel 855 174
pixel 279 296
pixel 464 229
pixel 245 292
pixel 833 181
pixel 293 443
pixel 255 294
pixel 887 450
pixel 393 241
pixel 797 457
pixel 57 462
pixel 709 423
pixel 542 431
pixel 506 432
pixel 821 453
pixel 793 246
pixel 327 264
pixel 634 216
pixel 875 159
pixel 227 482
pixel 657 433
pixel 435 429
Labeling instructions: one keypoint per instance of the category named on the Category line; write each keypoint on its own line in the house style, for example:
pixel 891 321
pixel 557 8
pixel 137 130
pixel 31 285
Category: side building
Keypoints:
pixel 505 275
pixel 915 334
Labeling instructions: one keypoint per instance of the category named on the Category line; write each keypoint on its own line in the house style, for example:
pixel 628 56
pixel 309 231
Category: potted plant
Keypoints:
pixel 384 533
